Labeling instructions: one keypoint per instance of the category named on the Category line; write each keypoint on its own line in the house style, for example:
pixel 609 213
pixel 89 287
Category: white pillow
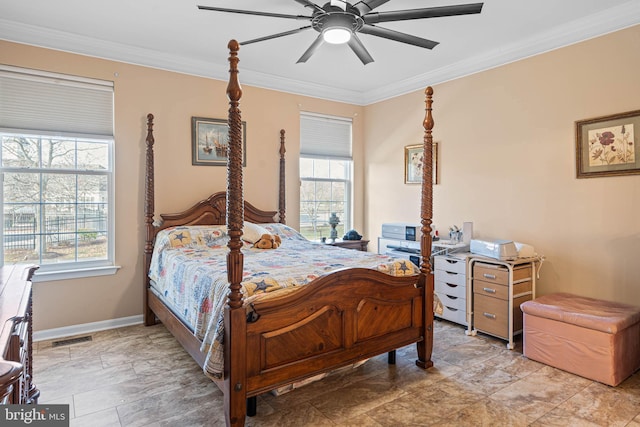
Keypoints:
pixel 252 232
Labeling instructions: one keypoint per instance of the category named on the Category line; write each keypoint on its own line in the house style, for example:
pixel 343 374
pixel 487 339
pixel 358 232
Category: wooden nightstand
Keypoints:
pixel 360 245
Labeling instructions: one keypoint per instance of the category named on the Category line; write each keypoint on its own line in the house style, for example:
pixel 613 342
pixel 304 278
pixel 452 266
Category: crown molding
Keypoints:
pixel 614 19
pixel 610 20
pixel 88 46
pixel 73 43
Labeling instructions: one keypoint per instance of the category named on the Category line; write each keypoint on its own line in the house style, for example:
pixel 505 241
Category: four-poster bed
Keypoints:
pixel 338 318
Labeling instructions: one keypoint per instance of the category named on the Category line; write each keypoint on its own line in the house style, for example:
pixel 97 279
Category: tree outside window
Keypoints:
pixel 55 198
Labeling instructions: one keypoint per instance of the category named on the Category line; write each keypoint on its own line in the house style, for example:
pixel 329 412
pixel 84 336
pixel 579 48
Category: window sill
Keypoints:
pixel 49 276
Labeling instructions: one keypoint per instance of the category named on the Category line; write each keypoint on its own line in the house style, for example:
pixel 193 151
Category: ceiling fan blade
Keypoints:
pixel 307 3
pixel 429 12
pixel 358 48
pixel 274 36
pixel 386 33
pixel 253 12
pixel 311 50
pixel 366 6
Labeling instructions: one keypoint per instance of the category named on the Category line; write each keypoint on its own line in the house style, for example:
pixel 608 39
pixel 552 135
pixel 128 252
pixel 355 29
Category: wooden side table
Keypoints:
pixel 360 245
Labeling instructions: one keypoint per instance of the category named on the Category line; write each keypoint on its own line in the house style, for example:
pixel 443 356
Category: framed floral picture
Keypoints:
pixel 608 145
pixel 210 142
pixel 413 164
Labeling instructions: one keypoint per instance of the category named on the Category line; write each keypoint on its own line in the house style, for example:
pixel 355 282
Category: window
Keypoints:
pixel 325 175
pixel 56 161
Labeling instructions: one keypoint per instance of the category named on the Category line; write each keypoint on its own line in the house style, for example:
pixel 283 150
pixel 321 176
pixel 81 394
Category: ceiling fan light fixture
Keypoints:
pixel 336 35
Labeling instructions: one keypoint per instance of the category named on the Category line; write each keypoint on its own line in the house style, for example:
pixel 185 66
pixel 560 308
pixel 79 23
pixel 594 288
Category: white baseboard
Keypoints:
pixel 86 328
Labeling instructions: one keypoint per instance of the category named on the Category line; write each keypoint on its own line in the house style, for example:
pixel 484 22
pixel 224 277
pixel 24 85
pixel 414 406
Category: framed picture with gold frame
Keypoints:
pixel 608 145
pixel 413 164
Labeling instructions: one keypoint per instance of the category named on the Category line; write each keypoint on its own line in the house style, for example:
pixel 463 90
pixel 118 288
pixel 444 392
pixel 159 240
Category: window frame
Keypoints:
pixel 78 268
pixel 342 155
pixel 70 128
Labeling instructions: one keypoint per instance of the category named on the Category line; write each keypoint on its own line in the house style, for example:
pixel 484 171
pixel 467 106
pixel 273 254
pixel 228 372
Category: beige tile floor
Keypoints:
pixel 140 376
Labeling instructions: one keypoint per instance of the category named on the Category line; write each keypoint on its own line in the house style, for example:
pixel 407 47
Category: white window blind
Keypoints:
pixel 32 100
pixel 325 136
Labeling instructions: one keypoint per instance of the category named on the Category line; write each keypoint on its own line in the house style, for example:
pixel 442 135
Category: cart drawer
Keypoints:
pixel 500 274
pixel 454 314
pixel 453 265
pixel 491 315
pixel 452 301
pixel 450 277
pixel 495 290
pixel 456 290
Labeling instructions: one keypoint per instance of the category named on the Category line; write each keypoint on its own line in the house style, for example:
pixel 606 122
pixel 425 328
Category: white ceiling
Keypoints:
pixel 175 35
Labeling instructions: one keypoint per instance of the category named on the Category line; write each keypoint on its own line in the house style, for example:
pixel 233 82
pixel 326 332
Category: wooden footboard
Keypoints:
pixel 339 319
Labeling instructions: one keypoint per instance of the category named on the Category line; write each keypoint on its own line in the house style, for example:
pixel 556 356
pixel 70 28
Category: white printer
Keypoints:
pixel 503 250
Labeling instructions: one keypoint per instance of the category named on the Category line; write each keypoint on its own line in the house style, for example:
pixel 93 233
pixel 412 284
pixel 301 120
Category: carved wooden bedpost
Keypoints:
pixel 281 201
pixel 149 317
pixel 234 317
pixel 235 196
pixel 425 347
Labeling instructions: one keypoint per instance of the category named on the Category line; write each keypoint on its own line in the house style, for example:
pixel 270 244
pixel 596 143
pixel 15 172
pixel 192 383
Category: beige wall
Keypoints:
pixel 507 163
pixel 173 98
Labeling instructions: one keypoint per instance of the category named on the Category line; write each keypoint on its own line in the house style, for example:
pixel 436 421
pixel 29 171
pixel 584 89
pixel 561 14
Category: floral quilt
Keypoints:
pixel 188 271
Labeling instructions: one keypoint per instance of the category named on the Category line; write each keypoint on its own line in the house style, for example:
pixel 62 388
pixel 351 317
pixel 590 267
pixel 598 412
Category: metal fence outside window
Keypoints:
pixel 58 230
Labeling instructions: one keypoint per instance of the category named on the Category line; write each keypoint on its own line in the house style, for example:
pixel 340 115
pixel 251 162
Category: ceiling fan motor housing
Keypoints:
pixel 333 16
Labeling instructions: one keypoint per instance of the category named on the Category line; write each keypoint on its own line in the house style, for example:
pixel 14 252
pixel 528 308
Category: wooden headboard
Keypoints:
pixel 213 211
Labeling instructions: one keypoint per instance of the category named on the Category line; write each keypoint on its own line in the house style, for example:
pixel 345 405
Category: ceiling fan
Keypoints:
pixel 338 22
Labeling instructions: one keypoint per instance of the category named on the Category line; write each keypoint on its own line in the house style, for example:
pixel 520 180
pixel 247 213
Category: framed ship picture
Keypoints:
pixel 210 142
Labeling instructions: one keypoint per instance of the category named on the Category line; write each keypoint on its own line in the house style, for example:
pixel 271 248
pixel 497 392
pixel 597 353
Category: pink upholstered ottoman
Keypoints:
pixel 595 339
